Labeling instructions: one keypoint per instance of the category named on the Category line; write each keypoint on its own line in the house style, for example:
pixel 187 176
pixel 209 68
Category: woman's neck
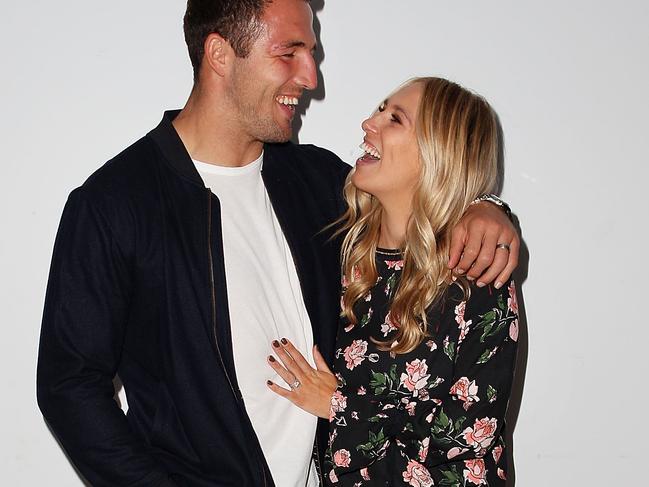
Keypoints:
pixel 394 224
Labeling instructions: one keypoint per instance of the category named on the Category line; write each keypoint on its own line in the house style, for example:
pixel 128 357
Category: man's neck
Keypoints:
pixel 211 133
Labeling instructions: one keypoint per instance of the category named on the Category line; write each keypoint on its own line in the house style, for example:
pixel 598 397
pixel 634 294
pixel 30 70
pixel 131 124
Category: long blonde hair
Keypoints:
pixel 457 135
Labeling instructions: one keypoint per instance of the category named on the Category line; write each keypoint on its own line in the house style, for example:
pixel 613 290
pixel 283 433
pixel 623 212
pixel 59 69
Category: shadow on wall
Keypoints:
pixel 319 92
pixel 520 276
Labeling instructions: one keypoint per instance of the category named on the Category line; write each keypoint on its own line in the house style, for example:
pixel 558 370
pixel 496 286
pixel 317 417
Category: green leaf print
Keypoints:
pixel 378 383
pixel 366 318
pixel 392 373
pixel 374 441
pixel 491 394
pixel 442 420
pixel 389 285
pixel 451 478
pixel 449 350
pixel 484 358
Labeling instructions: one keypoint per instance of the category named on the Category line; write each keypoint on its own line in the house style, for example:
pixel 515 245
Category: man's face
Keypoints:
pixel 265 86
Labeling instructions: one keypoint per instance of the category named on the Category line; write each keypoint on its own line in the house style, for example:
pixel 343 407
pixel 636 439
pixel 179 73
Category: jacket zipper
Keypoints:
pixel 213 306
pixel 318 467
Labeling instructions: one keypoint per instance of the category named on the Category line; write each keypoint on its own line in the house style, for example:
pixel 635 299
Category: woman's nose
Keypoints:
pixel 369 125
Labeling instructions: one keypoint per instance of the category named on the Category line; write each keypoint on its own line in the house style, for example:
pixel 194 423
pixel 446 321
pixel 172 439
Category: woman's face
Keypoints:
pixel 389 169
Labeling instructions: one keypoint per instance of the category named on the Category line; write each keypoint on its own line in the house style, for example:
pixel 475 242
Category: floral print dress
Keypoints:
pixel 433 416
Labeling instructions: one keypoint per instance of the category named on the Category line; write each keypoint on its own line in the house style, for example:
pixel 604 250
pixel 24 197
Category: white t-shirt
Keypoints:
pixel 266 304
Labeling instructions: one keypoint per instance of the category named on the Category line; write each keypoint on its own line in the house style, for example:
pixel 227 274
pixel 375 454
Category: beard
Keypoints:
pixel 255 110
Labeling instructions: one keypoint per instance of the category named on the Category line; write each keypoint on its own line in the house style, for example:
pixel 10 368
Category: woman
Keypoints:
pixel 424 360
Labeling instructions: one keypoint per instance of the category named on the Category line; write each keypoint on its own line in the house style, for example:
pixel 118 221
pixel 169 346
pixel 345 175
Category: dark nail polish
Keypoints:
pixel 275 344
pixel 284 341
pixel 271 358
pixel 269 383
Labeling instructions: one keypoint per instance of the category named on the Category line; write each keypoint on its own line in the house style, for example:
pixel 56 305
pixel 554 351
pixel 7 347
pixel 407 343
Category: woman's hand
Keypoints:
pixel 310 389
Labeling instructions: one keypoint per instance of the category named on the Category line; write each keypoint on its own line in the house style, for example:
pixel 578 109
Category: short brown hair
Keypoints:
pixel 237 21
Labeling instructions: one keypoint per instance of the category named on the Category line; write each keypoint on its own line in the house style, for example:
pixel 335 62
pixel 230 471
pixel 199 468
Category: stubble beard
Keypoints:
pixel 254 113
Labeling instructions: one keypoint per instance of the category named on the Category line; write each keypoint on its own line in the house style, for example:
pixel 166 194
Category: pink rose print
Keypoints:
pixel 481 435
pixel 497 452
pixel 333 477
pixel 512 302
pixel 456 451
pixel 475 471
pixel 365 474
pixel 389 325
pixel 466 391
pixel 355 353
pixel 513 330
pixel 416 377
pixel 411 407
pixel 396 265
pixel 417 475
pixel 501 474
pixel 464 330
pixel 342 458
pixel 459 312
pixel 361 391
pixel 423 449
pixel 338 404
pixel 431 345
pixel 356 274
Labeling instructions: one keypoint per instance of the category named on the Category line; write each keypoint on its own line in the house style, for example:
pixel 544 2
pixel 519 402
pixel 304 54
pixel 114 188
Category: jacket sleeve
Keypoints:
pixel 453 425
pixel 86 308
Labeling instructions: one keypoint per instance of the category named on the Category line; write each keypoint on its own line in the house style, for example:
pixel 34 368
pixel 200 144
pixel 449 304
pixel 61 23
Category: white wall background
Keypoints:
pixel 83 79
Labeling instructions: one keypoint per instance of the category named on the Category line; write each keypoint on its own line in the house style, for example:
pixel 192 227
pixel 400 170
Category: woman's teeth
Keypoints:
pixel 371 150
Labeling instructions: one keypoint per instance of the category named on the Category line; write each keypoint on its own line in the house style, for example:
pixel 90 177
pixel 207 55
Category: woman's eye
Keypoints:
pixel 382 107
pixel 396 119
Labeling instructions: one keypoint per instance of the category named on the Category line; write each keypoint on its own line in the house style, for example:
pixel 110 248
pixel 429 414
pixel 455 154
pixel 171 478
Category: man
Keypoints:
pixel 179 261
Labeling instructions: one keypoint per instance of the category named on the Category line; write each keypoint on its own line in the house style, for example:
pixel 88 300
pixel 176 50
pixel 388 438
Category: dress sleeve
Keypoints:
pixel 442 429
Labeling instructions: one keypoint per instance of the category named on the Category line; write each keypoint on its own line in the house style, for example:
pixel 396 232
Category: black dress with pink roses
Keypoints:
pixel 434 416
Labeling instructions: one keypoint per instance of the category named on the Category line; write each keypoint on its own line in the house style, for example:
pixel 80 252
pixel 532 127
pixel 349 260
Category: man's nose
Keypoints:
pixel 307 76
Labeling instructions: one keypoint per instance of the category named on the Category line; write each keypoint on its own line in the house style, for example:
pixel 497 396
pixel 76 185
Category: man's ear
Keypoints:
pixel 218 53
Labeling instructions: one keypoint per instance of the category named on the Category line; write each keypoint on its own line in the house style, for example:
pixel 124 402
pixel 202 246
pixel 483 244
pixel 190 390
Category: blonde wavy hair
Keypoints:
pixel 457 135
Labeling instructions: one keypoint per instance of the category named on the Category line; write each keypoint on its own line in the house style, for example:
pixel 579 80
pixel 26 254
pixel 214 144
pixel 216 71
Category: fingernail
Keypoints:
pixel 480 284
pixel 275 344
pixel 269 383
pixel 460 271
pixel 470 278
pixel 271 358
pixel 498 285
pixel 284 341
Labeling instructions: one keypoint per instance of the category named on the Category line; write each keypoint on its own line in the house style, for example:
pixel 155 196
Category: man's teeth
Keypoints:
pixel 370 150
pixel 287 100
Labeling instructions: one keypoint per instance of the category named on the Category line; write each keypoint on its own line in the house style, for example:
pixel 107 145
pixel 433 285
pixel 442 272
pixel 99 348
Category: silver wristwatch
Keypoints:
pixel 492 198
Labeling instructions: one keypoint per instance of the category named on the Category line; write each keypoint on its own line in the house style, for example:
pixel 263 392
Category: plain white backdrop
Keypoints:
pixel 81 80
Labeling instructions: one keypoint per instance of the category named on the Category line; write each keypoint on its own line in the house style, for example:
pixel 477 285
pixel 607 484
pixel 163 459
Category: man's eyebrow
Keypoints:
pixel 291 45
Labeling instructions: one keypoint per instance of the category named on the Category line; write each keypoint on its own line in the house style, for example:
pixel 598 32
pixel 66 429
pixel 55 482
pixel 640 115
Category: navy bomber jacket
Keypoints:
pixel 137 288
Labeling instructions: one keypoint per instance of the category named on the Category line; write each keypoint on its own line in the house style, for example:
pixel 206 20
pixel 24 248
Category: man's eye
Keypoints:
pixel 289 55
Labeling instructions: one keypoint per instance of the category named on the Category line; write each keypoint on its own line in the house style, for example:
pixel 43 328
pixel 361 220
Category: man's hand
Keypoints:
pixel 476 245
